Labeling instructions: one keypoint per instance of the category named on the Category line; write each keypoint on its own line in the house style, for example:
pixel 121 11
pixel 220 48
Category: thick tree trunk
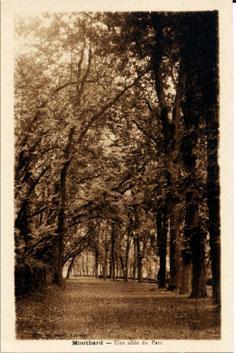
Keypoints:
pixel 198 266
pixel 185 277
pixel 161 244
pixel 213 187
pixel 175 246
pixel 176 223
pixel 194 236
pixel 213 202
pixel 61 214
pixel 194 244
pixel 200 90
pixel 59 248
pixel 60 227
pixel 168 129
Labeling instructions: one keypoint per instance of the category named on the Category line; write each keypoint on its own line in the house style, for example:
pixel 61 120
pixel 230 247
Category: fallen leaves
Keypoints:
pixel 114 310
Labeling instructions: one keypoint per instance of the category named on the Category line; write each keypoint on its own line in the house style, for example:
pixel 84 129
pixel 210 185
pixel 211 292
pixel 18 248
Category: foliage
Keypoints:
pixel 111 111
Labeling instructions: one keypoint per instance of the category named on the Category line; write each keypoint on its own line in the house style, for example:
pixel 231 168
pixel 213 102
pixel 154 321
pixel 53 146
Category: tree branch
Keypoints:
pixel 80 89
pixel 152 138
pixel 104 109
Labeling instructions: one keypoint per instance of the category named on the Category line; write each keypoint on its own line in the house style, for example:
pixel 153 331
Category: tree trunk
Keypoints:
pixel 87 264
pixel 198 266
pixel 127 259
pixel 176 223
pixel 140 260
pixel 203 274
pixel 213 187
pixel 185 277
pixel 113 253
pixel 122 267
pixel 83 265
pixel 106 248
pixel 173 268
pixel 149 268
pixel 96 262
pixel 70 267
pixel 77 267
pixel 21 222
pixel 213 202
pixel 61 214
pixel 135 258
pixel 59 249
pixel 175 253
pixel 110 268
pixel 161 244
pixel 194 244
pixel 117 268
pixel 200 97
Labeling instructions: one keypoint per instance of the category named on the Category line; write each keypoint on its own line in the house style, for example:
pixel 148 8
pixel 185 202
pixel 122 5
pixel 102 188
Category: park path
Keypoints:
pixel 95 309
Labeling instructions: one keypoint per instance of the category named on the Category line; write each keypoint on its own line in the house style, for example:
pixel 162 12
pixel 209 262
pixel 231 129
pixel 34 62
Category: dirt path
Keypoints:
pixel 114 310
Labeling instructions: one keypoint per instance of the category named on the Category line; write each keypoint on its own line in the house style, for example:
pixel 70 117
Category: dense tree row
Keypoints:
pixel 116 145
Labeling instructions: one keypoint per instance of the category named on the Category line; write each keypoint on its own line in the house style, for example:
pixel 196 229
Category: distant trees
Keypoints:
pixel 116 139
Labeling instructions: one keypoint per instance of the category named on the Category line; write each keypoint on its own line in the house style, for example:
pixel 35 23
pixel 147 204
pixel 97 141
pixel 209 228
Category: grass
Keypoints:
pixel 97 309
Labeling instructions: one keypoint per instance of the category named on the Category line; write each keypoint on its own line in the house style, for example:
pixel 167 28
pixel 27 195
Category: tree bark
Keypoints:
pixel 140 260
pixel 213 187
pixel 106 248
pixel 61 214
pixel 161 244
pixel 122 265
pixel 113 252
pixel 213 202
pixel 127 260
pixel 70 267
pixel 135 258
pixel 21 222
pixel 185 277
pixel 176 223
pixel 191 108
pixel 175 246
pixel 96 262
pixel 198 266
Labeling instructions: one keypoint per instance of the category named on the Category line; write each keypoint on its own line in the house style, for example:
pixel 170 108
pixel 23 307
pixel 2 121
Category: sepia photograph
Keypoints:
pixel 117 177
